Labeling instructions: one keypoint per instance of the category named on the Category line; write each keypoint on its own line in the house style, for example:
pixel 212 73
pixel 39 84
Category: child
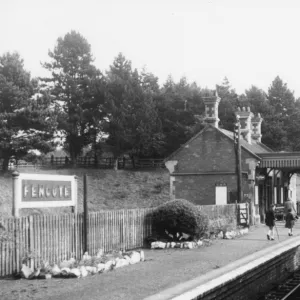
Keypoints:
pixel 290 221
pixel 270 221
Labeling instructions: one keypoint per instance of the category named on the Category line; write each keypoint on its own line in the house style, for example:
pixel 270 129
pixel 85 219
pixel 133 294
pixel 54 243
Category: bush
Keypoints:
pixel 179 216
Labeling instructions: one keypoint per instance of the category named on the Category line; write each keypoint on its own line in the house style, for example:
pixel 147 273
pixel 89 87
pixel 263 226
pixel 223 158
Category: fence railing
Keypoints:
pixel 54 238
pixel 90 162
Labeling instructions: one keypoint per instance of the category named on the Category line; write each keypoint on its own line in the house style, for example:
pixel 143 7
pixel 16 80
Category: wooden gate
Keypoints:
pixel 243 214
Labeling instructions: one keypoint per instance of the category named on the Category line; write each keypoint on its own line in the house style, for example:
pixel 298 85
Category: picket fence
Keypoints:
pixel 54 238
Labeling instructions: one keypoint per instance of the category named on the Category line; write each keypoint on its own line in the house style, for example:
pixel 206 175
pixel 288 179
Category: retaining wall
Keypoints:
pixel 245 279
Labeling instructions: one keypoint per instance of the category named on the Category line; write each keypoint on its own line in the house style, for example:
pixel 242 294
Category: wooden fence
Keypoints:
pixel 54 238
pixel 89 162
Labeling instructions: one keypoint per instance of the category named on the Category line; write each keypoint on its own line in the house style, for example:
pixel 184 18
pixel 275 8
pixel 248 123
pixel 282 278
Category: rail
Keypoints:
pixel 289 290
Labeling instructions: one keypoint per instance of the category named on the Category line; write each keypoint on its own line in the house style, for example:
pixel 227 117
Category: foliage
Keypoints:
pixel 27 119
pixel 133 125
pixel 179 216
pixel 78 90
pixel 228 104
pixel 179 106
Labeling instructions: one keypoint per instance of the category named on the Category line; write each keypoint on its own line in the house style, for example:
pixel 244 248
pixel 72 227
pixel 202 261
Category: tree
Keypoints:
pixel 228 104
pixel 27 120
pixel 258 101
pixel 280 97
pixel 78 89
pixel 278 123
pixel 132 125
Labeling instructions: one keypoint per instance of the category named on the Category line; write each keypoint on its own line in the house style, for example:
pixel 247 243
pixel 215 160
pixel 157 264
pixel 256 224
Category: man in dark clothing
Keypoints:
pixel 270 222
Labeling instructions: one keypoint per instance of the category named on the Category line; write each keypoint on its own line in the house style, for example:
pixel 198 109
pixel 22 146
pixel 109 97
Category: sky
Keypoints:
pixel 248 41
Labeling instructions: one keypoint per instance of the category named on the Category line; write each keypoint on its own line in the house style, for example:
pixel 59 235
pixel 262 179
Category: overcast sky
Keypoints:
pixel 249 41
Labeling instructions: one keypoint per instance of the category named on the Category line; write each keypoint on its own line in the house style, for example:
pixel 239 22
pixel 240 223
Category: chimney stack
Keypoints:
pixel 211 101
pixel 245 117
pixel 256 128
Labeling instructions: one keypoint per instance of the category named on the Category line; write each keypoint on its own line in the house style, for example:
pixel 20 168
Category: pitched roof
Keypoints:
pixel 254 149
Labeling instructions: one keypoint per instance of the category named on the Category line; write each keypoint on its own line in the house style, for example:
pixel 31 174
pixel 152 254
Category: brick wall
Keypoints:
pixel 254 283
pixel 245 279
pixel 200 189
pixel 210 152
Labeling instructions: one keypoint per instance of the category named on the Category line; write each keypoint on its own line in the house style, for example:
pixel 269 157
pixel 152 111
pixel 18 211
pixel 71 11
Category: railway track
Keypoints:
pixel 289 290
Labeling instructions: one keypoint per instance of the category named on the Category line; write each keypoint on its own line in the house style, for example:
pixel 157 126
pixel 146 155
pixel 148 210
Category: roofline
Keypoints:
pixel 200 132
pixel 246 149
pixel 278 154
pixel 182 146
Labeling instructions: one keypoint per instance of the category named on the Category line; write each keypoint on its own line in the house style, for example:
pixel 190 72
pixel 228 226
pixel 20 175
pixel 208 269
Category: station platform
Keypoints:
pixel 162 270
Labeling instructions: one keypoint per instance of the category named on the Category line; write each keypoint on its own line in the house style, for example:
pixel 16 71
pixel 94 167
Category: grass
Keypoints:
pixel 107 189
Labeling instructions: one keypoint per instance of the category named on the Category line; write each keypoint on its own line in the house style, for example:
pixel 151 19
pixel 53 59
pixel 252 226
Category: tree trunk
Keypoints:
pixel 5 164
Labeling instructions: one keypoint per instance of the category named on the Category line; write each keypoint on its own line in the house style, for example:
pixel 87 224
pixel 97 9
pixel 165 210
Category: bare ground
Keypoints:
pixel 162 269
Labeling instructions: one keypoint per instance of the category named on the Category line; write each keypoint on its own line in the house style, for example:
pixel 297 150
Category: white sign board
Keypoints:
pixel 41 190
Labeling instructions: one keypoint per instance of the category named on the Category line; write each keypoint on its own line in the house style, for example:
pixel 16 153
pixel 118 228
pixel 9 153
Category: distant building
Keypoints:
pixel 203 170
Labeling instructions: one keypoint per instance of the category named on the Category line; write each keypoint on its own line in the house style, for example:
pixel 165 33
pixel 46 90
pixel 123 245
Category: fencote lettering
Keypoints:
pixel 41 191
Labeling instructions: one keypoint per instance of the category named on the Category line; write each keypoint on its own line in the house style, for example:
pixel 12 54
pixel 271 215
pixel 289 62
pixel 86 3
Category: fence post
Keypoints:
pixel 15 204
pixel 85 213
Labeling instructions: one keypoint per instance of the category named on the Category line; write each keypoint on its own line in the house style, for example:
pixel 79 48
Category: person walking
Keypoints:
pixel 290 221
pixel 289 204
pixel 270 222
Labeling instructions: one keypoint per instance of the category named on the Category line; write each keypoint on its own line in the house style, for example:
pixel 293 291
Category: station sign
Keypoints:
pixel 41 191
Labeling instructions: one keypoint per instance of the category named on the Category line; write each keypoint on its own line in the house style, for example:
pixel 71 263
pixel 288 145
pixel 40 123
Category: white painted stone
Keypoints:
pixel 65 271
pixel 26 272
pixel 135 257
pixel 75 272
pixel 109 265
pixel 121 262
pixel 83 271
pixel 91 270
pixel 55 270
pixel 199 243
pixel 127 258
pixel 100 267
pixel 189 245
pixel 158 245
pixel 173 244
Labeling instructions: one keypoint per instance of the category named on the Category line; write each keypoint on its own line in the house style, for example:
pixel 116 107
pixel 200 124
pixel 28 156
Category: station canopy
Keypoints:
pixel 280 160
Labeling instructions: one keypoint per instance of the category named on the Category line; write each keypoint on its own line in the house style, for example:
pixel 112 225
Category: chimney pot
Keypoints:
pixel 211 101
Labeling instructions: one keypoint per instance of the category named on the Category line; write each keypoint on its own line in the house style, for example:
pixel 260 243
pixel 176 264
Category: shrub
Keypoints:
pixel 179 216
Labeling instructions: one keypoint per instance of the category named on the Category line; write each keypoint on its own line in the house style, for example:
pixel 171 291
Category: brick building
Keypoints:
pixel 203 170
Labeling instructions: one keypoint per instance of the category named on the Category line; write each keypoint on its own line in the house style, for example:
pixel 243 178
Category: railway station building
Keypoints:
pixel 204 169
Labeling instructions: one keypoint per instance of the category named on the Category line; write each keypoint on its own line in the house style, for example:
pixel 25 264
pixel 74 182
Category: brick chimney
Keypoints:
pixel 256 128
pixel 245 116
pixel 211 101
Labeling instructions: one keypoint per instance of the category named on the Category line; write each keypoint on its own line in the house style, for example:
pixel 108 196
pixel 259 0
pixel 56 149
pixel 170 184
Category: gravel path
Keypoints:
pixel 162 269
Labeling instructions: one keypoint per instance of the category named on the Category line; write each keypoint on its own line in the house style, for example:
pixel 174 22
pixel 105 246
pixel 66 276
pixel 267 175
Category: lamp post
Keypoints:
pixel 237 143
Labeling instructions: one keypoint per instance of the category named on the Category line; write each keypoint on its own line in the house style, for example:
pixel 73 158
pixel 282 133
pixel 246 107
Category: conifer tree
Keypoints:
pixel 27 119
pixel 78 90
